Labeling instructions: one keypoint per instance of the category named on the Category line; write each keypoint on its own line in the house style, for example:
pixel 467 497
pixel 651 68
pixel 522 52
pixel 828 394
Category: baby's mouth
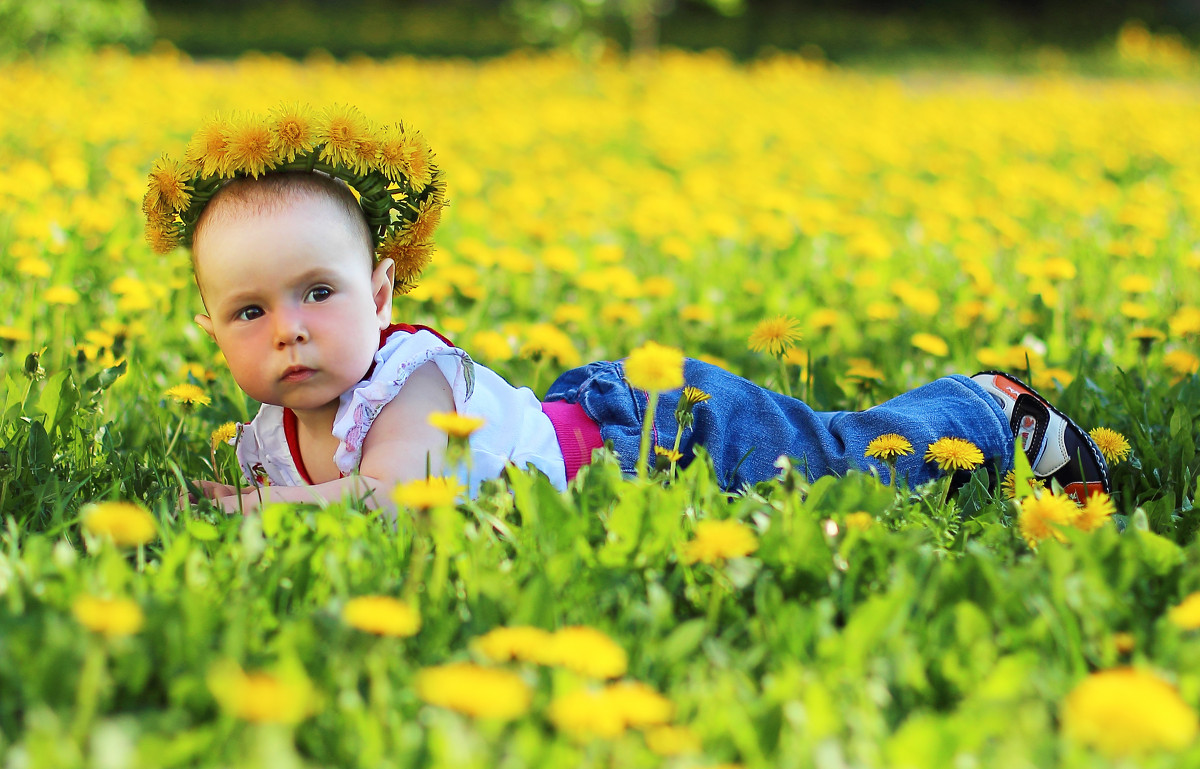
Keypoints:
pixel 297 373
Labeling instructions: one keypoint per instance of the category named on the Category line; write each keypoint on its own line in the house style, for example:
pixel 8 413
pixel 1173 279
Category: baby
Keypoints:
pixel 297 275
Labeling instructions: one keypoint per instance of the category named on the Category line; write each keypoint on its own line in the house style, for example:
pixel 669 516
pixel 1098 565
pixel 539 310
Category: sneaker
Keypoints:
pixel 1057 448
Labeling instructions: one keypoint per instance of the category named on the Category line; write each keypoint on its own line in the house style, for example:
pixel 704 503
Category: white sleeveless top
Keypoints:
pixel 515 430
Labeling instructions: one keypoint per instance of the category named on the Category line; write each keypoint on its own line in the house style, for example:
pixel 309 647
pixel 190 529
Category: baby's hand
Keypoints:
pixel 223 495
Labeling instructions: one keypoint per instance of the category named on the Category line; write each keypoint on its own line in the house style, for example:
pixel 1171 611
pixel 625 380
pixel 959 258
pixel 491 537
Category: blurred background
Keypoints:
pixel 1016 34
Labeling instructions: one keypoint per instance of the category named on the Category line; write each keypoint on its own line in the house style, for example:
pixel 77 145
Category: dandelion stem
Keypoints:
pixel 88 693
pixel 644 447
pixel 175 436
pixel 714 600
pixel 784 379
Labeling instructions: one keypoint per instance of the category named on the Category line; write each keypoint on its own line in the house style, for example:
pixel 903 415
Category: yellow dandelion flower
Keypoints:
pixel 717 541
pixel 655 367
pixel 1135 284
pixel 168 187
pixel 474 690
pixel 12 334
pixel 888 447
pixel 1181 362
pixel 528 644
pixel 208 152
pixel 546 342
pixel 1187 614
pixel 491 346
pixel 1041 517
pixel 249 149
pixel 693 396
pixel 587 651
pixel 1185 322
pixel 429 215
pixel 671 455
pixel 162 234
pixel 410 258
pixel 859 521
pixel 64 295
pixel 775 335
pixel 454 424
pixel 340 129
pixel 426 493
pixel 930 343
pixel 404 155
pixel 1124 642
pixel 1114 446
pixel 223 434
pixel 292 131
pixel 954 454
pixel 125 523
pixel 639 704
pixel 188 395
pixel 366 151
pixel 863 370
pixel 1097 510
pixel 261 697
pixel 584 714
pixel 34 267
pixel 672 740
pixel 1008 486
pixel 382 615
pixel 110 617
pixel 1146 335
pixel 1098 713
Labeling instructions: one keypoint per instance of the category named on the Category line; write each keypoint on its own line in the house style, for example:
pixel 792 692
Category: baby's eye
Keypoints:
pixel 249 313
pixel 319 294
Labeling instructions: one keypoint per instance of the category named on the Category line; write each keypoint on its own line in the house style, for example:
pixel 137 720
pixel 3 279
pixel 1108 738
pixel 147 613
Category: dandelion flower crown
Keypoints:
pixel 390 170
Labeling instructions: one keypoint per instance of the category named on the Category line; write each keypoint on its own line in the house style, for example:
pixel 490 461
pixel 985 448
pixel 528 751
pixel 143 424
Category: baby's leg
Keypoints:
pixel 745 420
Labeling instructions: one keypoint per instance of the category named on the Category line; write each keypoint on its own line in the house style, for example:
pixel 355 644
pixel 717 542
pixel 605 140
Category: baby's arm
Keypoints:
pixel 395 450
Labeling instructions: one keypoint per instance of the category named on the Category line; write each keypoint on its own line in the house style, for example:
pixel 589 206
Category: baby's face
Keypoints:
pixel 292 302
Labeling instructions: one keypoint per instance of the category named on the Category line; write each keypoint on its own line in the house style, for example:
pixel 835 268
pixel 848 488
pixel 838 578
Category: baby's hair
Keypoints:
pixel 247 197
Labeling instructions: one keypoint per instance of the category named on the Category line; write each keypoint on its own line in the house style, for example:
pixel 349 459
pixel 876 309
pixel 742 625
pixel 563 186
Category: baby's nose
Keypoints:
pixel 290 329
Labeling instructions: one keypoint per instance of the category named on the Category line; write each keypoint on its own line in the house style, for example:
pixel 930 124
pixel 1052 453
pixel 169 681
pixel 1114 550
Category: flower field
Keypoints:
pixel 841 236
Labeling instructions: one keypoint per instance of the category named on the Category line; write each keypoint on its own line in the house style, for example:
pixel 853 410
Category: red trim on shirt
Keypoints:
pixel 291 423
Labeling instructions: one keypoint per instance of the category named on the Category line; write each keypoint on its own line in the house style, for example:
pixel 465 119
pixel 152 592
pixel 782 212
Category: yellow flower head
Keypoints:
pixel 1187 614
pixel 672 740
pixel 410 258
pixel 262 697
pixel 1114 446
pixel 954 454
pixel 888 447
pixel 188 395
pixel 586 714
pixel 608 712
pixel 61 295
pixel 250 146
pixel 110 617
pixel 382 615
pixel 546 342
pixel 588 652
pixel 717 541
pixel 474 690
pixel 208 152
pixel 454 424
pixel 223 434
pixel 528 644
pixel 1095 512
pixel 168 188
pixel 124 523
pixel 1008 486
pixel 671 455
pixel 425 493
pixel 1127 712
pixel 859 521
pixel 931 343
pixel 340 129
pixel 693 396
pixel 1042 515
pixel 655 367
pixel 292 131
pixel 775 335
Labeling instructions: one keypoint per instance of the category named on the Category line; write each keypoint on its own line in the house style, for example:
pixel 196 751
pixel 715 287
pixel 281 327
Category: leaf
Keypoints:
pixel 683 640
pixel 203 530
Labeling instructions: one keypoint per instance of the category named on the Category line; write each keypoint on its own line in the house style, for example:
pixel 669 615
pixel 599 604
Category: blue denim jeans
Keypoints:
pixel 746 428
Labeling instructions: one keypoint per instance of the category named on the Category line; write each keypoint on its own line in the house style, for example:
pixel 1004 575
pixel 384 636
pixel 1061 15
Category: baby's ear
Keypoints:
pixel 205 322
pixel 381 285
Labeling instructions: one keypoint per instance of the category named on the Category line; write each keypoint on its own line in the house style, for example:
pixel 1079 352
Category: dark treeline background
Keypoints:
pixel 860 30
